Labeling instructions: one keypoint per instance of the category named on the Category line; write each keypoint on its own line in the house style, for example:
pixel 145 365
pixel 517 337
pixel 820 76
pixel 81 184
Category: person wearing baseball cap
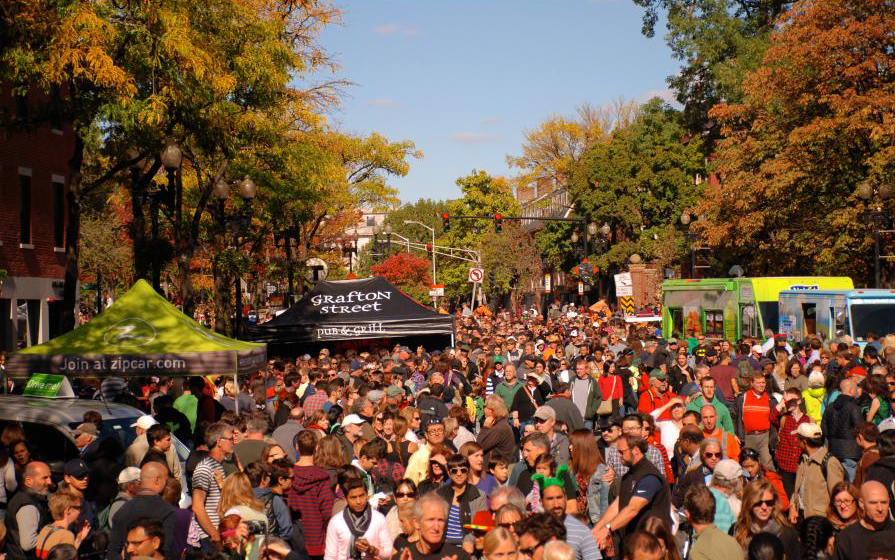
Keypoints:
pixel 75 479
pixel 137 450
pixel 657 395
pixel 128 485
pixel 818 472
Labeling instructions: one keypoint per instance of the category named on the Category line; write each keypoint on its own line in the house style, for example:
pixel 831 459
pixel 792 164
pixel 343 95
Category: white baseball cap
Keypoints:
pixel 145 422
pixel 352 419
pixel 128 475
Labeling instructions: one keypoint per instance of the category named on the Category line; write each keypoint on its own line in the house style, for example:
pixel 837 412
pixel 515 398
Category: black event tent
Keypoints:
pixel 352 310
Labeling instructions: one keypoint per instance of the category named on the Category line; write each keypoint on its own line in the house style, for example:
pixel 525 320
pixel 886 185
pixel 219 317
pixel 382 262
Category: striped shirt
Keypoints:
pixel 204 479
pixel 454 531
pixel 580 539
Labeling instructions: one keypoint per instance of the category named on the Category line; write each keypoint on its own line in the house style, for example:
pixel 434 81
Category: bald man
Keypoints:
pixel 730 447
pixel 851 544
pixel 28 512
pixel 147 503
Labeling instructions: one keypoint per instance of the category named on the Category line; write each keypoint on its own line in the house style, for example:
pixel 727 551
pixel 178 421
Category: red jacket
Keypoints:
pixel 650 401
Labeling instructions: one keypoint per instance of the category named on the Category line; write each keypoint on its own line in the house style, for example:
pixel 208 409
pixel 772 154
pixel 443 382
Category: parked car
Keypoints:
pixel 49 422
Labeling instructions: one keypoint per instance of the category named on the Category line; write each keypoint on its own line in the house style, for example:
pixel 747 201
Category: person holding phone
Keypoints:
pixel 359 532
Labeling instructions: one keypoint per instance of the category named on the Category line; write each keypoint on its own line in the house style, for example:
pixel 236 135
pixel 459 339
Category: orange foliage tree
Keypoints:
pixel 408 272
pixel 817 120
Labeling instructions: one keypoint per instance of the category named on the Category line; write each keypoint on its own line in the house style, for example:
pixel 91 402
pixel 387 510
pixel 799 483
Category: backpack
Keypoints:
pixel 102 517
pixel 273 526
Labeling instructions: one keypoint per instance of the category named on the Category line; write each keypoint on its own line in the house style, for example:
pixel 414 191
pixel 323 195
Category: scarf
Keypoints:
pixel 357 525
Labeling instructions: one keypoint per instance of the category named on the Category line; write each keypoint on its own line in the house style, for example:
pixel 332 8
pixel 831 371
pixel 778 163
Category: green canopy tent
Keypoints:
pixel 140 334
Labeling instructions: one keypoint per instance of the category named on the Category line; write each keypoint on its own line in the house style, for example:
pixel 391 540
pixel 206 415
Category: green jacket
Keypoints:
pixel 724 419
pixel 594 398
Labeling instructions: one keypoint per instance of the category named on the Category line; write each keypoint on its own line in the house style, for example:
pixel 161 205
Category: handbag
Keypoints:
pixel 605 407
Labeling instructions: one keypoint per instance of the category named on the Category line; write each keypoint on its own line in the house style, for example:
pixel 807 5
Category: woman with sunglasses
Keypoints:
pixel 464 499
pixel 405 493
pixel 761 513
pixel 436 471
pixel 508 517
pixel 750 460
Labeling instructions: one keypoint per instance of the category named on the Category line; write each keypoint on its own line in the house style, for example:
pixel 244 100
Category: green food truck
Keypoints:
pixel 732 308
pixel 831 313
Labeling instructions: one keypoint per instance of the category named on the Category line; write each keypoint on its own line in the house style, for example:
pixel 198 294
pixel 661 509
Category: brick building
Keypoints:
pixel 33 174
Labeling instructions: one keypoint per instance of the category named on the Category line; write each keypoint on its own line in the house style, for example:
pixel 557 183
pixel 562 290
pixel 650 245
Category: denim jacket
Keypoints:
pixel 597 494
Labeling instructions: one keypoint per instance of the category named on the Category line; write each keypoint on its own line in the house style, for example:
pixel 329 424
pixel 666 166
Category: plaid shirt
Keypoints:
pixel 788 451
pixel 387 475
pixel 314 403
pixel 614 460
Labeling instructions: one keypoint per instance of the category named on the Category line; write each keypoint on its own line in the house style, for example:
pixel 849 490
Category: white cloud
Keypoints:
pixel 395 29
pixel 666 95
pixel 473 137
pixel 384 103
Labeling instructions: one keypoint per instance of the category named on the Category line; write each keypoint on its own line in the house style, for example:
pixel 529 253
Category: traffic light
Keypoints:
pixel 498 223
pixel 429 248
pixel 445 222
pixel 491 275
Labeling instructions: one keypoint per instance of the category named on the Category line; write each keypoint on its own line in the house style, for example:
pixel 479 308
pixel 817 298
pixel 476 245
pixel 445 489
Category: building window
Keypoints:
pixel 25 208
pixel 371 221
pixel 58 214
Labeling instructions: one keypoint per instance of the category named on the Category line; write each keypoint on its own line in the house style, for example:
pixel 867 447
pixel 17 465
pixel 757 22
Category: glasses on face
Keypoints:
pixel 765 503
pixel 514 526
pixel 136 543
pixel 436 432
pixel 712 455
pixel 539 420
pixel 459 470
pixel 844 502
pixel 530 552
pixel 437 464
pixel 405 494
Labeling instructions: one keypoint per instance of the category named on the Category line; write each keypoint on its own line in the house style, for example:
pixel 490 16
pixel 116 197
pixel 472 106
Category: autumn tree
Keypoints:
pixel 408 272
pixel 815 122
pixel 552 149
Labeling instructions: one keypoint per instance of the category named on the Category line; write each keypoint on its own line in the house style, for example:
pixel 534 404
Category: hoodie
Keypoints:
pixel 813 399
pixel 311 495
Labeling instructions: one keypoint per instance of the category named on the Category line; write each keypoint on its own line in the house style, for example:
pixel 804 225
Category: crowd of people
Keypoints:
pixel 568 436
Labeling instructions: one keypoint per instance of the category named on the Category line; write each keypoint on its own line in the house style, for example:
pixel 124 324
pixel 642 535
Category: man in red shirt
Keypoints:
pixel 756 413
pixel 657 395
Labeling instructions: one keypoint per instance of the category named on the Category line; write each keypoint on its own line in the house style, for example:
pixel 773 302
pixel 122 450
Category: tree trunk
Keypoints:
pixel 72 237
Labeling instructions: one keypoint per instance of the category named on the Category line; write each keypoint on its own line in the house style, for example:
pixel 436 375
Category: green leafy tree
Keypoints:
pixel 717 42
pixel 640 182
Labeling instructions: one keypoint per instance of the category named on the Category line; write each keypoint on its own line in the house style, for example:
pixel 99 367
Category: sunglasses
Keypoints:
pixel 766 503
pixel 530 551
pixel 437 464
pixel 405 494
pixel 711 455
pixel 458 470
pixel 511 526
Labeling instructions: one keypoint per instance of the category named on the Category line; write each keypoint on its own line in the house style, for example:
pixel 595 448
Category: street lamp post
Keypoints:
pixel 432 231
pixel 349 249
pixel 691 237
pixel 241 220
pixel 878 217
pixel 171 158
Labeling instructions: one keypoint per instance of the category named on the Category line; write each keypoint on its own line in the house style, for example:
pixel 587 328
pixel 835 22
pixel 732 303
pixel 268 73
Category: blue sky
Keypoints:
pixel 464 79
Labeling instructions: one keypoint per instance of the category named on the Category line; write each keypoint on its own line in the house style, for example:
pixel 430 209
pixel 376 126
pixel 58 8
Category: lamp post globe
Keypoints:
pixel 221 190
pixel 685 218
pixel 865 190
pixel 388 229
pixel 171 156
pixel 592 229
pixel 635 259
pixel 574 237
pixel 606 229
pixel 247 188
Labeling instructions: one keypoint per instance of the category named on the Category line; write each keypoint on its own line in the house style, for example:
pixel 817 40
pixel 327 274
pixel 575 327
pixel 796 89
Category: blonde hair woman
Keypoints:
pixel 412 415
pixel 237 491
pixel 500 544
pixel 496 436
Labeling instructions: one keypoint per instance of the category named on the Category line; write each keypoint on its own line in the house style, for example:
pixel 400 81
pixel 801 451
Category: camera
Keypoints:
pixel 256 527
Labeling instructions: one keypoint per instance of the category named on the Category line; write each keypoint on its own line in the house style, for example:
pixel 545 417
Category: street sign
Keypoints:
pixel 586 271
pixel 580 288
pixel 547 282
pixel 623 285
pixel 316 270
pixel 476 275
pixel 437 290
pixel 271 288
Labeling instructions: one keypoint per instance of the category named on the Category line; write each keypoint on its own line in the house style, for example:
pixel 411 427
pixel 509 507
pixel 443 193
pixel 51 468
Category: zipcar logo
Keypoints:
pixel 130 332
